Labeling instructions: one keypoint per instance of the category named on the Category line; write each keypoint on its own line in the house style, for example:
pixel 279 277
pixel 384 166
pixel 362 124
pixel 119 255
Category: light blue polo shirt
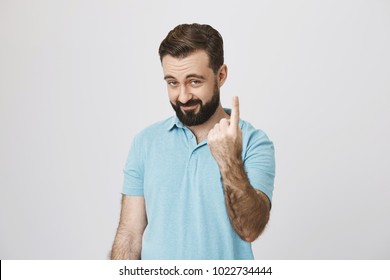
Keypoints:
pixel 183 191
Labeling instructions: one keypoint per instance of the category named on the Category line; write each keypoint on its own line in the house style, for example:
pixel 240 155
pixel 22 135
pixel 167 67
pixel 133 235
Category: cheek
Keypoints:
pixel 206 93
pixel 172 95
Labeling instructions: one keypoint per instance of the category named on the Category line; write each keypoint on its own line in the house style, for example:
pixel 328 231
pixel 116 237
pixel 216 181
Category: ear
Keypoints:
pixel 222 75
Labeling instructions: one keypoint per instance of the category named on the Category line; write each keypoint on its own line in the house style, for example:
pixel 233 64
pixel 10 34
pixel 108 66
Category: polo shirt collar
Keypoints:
pixel 175 123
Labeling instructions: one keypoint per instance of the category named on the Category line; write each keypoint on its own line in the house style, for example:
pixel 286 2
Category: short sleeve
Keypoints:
pixel 133 171
pixel 259 162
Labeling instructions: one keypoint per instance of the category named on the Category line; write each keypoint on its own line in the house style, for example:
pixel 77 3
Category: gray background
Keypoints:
pixel 78 79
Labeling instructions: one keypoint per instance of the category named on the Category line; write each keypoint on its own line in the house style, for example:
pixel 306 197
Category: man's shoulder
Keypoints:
pixel 249 131
pixel 156 129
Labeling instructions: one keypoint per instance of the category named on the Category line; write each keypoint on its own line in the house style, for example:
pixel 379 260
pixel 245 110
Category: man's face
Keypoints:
pixel 192 87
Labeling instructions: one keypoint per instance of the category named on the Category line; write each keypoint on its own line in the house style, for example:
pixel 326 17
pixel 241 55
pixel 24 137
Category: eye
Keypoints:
pixel 195 82
pixel 172 83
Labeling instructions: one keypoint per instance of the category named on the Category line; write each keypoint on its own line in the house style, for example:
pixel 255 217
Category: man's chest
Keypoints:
pixel 174 170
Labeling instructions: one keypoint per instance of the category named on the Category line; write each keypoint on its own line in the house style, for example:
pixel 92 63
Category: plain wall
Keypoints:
pixel 78 79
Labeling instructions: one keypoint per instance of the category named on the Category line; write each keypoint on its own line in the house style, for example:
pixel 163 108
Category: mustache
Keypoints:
pixel 189 103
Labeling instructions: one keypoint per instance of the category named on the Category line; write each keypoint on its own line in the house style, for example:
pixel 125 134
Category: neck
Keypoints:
pixel 201 131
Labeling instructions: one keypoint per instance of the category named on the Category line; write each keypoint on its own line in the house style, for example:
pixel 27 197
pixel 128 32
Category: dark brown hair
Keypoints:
pixel 185 39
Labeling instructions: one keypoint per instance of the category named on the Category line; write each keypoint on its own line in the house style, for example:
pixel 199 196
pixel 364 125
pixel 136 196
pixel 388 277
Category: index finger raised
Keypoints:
pixel 235 115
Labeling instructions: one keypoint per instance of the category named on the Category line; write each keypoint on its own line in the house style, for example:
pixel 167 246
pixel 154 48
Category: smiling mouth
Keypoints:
pixel 189 108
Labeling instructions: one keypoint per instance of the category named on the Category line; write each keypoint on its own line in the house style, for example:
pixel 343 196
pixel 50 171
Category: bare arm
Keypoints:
pixel 248 209
pixel 128 240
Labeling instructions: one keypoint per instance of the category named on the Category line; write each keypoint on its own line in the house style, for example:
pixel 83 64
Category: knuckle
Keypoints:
pixel 224 121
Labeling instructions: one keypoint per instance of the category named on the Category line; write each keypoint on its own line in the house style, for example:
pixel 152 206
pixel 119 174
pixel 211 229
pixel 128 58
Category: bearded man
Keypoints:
pixel 199 184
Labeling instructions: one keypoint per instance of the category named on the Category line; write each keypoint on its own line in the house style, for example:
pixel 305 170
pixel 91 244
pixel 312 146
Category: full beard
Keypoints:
pixel 190 118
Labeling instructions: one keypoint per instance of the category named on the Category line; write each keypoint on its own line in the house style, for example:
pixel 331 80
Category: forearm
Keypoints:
pixel 248 209
pixel 126 246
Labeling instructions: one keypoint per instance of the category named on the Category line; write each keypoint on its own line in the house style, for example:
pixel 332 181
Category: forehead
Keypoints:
pixel 195 63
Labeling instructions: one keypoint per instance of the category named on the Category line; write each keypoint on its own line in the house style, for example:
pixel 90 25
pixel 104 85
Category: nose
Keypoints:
pixel 184 94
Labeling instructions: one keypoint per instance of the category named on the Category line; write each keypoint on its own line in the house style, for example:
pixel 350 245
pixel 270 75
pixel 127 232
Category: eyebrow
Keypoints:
pixel 187 77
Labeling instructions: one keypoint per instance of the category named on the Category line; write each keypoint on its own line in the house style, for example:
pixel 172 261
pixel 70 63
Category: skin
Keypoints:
pixel 248 209
pixel 128 240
